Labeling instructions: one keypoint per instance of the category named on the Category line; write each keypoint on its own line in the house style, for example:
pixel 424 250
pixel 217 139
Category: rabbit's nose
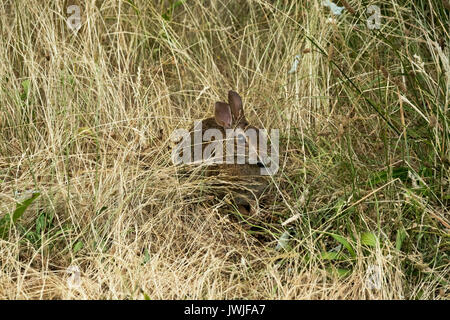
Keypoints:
pixel 260 164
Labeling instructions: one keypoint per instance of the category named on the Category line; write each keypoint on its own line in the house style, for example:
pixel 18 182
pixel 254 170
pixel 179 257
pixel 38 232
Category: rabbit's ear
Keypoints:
pixel 235 101
pixel 222 114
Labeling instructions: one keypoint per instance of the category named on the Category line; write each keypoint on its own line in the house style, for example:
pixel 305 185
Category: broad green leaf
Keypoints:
pixel 340 271
pixel 369 239
pixel 399 172
pixel 343 272
pixel 26 89
pixel 345 243
pixel 4 225
pixel 21 207
pixel 401 235
pixel 7 220
pixel 78 246
pixel 26 86
pixel 40 223
pixel 331 255
pixel 146 297
pixel 146 256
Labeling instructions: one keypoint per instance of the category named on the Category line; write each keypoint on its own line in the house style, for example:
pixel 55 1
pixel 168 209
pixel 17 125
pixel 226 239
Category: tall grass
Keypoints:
pixel 359 207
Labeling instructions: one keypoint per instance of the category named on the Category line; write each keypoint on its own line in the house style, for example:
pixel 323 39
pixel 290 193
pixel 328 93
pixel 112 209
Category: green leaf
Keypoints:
pixel 146 256
pixel 21 207
pixel 165 16
pixel 78 246
pixel 146 297
pixel 331 255
pixel 342 273
pixel 369 239
pixel 26 86
pixel 399 172
pixel 4 225
pixel 401 235
pixel 32 236
pixel 345 243
pixel 26 89
pixel 7 220
pixel 40 223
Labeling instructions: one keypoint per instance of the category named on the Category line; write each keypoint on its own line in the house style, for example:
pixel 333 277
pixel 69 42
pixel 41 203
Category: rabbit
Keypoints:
pixel 242 180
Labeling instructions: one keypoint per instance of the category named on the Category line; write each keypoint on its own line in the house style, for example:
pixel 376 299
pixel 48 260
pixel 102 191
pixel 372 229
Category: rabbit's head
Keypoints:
pixel 238 134
pixel 230 115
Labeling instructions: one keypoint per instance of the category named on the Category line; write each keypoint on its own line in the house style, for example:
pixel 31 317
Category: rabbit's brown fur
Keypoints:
pixel 243 181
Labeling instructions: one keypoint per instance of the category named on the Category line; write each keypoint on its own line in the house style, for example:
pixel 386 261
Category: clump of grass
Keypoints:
pixel 361 199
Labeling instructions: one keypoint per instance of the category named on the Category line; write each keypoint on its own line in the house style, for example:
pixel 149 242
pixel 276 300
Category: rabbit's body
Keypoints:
pixel 242 180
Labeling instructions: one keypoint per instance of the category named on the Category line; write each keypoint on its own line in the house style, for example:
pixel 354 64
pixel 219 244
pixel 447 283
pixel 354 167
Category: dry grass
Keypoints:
pixel 86 120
